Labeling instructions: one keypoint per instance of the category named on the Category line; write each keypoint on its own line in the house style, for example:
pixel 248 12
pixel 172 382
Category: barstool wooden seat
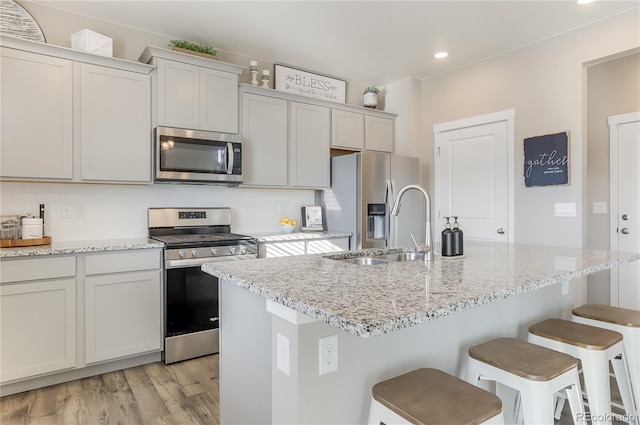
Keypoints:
pixel 430 396
pixel 536 372
pixel 595 347
pixel 622 320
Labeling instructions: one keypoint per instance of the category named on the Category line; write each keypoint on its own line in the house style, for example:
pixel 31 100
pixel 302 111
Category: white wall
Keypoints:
pixel 119 211
pixel 545 84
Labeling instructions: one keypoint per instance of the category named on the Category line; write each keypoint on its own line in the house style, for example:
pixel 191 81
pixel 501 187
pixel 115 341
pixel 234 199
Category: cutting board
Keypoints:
pixel 13 243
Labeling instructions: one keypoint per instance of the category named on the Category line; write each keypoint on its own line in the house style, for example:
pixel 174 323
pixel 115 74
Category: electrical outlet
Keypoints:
pixel 81 210
pixel 282 354
pixel 283 210
pixel 328 355
pixel 565 287
pixel 66 210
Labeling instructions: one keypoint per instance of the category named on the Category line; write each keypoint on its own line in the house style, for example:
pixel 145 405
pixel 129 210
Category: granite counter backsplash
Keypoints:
pixel 76 247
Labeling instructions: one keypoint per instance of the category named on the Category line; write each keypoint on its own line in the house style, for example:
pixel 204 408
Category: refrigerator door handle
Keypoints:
pixel 389 198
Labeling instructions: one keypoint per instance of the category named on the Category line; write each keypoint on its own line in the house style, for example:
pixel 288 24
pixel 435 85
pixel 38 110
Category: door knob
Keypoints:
pixel 501 231
pixel 624 231
pixel 625 217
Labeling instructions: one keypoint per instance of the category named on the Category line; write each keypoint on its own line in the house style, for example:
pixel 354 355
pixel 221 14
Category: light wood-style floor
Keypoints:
pixel 182 393
pixel 154 394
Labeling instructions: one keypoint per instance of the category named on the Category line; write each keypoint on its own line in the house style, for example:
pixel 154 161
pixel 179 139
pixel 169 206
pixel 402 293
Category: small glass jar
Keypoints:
pixel 371 100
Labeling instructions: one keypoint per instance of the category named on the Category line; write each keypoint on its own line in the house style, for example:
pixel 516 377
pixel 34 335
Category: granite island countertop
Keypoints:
pixel 77 247
pixel 378 299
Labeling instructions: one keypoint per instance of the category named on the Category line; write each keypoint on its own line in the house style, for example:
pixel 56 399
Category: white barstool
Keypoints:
pixel 595 347
pixel 622 320
pixel 432 397
pixel 537 373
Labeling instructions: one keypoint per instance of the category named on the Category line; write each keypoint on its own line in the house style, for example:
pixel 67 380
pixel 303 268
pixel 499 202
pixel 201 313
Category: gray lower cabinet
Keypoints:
pixel 302 247
pixel 63 313
pixel 38 317
pixel 123 298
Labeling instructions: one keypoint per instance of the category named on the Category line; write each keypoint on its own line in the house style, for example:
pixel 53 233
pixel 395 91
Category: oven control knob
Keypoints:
pixel 233 250
pixel 194 252
pixel 243 250
pixel 181 254
pixel 214 251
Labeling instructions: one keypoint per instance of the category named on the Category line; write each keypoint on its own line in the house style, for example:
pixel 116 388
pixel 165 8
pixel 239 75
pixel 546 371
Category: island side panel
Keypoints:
pixel 245 357
pixel 342 397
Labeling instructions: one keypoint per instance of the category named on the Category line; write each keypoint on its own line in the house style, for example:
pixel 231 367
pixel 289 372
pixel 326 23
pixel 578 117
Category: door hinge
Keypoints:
pixel 438 150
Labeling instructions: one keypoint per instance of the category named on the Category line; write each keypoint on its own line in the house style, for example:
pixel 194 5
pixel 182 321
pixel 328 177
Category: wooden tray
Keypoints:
pixel 12 243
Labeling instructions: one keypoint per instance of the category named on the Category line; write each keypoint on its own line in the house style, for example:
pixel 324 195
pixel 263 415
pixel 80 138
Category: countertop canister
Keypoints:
pixel 31 228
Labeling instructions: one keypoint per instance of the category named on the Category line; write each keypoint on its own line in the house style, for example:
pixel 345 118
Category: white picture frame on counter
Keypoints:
pixel 312 218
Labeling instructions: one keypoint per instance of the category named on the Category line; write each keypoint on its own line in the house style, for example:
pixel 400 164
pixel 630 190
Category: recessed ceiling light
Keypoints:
pixel 441 55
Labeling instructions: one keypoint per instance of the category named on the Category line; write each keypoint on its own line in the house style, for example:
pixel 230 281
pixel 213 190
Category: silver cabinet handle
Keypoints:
pixel 624 231
pixel 625 217
pixel 501 231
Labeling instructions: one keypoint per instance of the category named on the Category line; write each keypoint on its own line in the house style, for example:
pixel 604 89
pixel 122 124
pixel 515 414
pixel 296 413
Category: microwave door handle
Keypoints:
pixel 230 158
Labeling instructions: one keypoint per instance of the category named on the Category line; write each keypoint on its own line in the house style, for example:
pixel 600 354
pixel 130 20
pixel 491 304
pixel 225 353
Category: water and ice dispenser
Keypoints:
pixel 376 223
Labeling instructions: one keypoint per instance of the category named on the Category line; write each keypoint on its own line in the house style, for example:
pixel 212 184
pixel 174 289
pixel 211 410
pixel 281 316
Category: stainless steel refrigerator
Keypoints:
pixel 363 189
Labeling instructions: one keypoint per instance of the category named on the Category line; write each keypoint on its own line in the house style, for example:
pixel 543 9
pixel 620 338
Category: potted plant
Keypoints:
pixel 197 49
pixel 371 96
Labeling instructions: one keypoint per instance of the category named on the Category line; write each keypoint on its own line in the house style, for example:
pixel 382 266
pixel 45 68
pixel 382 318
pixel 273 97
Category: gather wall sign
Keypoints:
pixel 546 160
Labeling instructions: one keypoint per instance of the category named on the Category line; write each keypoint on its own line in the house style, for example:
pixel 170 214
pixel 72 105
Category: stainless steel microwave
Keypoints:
pixel 192 156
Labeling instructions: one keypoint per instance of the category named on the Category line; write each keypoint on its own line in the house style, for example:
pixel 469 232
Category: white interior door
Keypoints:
pixel 625 206
pixel 474 176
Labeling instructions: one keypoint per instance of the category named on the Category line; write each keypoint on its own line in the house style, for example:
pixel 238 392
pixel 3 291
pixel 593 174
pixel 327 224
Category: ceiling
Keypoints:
pixel 368 42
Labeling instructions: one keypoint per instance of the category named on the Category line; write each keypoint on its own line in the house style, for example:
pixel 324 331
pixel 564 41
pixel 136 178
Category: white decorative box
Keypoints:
pixel 91 42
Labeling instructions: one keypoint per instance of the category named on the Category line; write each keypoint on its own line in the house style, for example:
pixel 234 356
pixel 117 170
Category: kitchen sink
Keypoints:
pixel 364 261
pixel 403 256
pixel 387 258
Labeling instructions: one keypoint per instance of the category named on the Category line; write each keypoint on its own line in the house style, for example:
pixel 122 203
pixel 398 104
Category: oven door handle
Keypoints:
pixel 175 264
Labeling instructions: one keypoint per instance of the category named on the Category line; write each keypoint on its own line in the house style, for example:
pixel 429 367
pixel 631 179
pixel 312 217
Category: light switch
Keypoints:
pixel 567 209
pixel 599 207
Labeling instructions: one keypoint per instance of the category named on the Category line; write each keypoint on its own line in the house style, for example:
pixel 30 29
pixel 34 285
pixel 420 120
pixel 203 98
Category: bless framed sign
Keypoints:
pixel 307 84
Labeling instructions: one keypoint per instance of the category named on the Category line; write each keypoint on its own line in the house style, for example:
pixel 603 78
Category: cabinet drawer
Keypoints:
pixel 37 268
pixel 122 261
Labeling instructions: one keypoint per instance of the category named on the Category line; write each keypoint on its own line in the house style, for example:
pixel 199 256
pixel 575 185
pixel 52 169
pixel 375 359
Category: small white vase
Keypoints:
pixel 371 100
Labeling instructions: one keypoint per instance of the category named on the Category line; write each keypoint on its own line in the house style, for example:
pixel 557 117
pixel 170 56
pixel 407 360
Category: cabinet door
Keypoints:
pixel 309 135
pixel 115 117
pixel 178 94
pixel 327 245
pixel 281 249
pixel 218 101
pixel 379 134
pixel 36 118
pixel 38 322
pixel 264 133
pixel 347 130
pixel 122 315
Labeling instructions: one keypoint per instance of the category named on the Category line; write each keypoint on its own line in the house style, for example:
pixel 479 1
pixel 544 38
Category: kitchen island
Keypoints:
pixel 389 318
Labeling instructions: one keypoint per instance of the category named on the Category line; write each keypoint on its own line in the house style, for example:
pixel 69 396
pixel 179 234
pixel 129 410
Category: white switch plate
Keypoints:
pixel 282 354
pixel 328 354
pixel 80 210
pixel 599 207
pixel 565 209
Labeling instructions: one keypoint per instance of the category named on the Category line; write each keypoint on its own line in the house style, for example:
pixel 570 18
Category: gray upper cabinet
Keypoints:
pixel 347 130
pixel 115 122
pixel 309 139
pixel 73 116
pixel 264 132
pixel 37 116
pixel 378 134
pixel 286 144
pixel 193 92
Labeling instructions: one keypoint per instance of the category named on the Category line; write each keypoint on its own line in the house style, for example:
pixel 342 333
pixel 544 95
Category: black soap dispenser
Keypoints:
pixel 457 237
pixel 447 240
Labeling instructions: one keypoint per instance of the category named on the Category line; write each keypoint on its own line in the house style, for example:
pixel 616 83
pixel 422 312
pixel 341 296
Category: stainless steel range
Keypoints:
pixel 192 237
